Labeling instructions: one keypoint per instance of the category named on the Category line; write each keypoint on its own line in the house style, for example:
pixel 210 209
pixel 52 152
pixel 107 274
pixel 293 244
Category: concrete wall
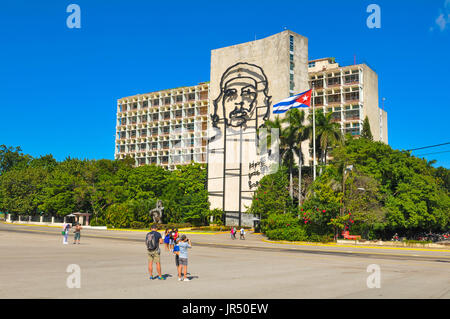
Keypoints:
pixel 371 103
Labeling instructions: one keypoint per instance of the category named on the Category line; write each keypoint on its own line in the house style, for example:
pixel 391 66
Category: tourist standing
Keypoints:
pixel 65 233
pixel 176 251
pixel 175 237
pixel 152 241
pixel 77 230
pixel 184 245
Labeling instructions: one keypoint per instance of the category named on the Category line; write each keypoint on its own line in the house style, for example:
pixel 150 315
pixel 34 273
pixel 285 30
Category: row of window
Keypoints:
pixel 156 118
pixel 291 63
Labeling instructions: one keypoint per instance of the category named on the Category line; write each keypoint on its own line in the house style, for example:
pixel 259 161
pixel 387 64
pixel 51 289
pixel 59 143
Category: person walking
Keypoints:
pixel 65 233
pixel 167 239
pixel 242 233
pixel 77 230
pixel 232 233
pixel 184 245
pixel 152 241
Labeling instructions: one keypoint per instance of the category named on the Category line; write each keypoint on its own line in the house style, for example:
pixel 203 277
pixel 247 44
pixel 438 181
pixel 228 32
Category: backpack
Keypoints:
pixel 151 241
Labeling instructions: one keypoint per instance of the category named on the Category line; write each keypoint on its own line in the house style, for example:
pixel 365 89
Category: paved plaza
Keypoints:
pixel 113 264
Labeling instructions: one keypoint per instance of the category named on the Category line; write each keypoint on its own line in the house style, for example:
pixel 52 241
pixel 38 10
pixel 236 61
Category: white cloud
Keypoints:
pixel 443 20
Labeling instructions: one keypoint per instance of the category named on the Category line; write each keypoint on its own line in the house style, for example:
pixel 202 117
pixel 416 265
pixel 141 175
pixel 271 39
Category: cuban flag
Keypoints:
pixel 299 100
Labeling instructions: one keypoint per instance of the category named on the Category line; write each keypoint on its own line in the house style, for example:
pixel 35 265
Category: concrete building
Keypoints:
pixel 350 93
pixel 166 128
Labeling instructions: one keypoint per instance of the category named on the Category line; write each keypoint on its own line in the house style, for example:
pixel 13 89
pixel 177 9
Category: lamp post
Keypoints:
pixel 344 175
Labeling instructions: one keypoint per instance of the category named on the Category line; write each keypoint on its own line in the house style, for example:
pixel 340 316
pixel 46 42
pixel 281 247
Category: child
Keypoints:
pixel 176 251
pixel 184 245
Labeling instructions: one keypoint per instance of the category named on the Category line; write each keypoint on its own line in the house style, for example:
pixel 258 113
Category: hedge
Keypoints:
pixel 291 234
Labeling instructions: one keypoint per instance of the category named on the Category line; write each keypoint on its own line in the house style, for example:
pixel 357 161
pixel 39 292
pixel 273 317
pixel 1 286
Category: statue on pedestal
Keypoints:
pixel 156 213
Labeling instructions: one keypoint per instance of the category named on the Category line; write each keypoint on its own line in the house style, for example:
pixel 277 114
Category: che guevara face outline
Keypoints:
pixel 240 98
pixel 240 86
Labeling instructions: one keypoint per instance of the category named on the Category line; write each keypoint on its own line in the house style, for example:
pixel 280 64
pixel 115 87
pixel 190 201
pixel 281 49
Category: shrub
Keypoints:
pixel 173 225
pixel 321 238
pixel 296 233
pixel 138 225
pixel 276 221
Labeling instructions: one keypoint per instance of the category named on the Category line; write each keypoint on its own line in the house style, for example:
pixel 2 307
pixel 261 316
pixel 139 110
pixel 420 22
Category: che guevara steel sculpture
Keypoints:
pixel 243 96
pixel 242 107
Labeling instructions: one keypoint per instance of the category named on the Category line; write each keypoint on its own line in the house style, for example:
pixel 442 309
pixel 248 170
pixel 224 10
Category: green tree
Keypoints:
pixel 272 195
pixel 366 132
pixel 11 157
pixel 328 134
pixel 21 190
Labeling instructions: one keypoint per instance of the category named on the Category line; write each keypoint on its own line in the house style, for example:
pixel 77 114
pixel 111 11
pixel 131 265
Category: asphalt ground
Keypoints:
pixel 113 264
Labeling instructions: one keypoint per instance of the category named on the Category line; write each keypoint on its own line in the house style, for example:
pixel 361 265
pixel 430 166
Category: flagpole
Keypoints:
pixel 314 134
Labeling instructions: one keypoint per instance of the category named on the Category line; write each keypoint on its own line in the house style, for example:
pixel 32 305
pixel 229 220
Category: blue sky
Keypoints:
pixel 59 86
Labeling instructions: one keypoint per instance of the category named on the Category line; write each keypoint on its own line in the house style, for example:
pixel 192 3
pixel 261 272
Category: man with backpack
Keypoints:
pixel 152 241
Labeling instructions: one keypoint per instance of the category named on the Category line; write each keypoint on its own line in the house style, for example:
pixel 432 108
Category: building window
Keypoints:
pixel 291 67
pixel 334 81
pixel 311 64
pixel 352 96
pixel 354 78
pixel 291 43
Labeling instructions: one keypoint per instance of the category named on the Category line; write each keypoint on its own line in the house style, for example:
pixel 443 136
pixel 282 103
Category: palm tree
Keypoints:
pixel 291 137
pixel 328 134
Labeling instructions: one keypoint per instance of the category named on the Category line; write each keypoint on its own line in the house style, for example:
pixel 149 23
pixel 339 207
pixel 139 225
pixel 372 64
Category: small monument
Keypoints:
pixel 157 212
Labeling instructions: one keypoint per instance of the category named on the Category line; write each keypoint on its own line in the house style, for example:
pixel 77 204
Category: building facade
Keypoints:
pixel 166 128
pixel 350 93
